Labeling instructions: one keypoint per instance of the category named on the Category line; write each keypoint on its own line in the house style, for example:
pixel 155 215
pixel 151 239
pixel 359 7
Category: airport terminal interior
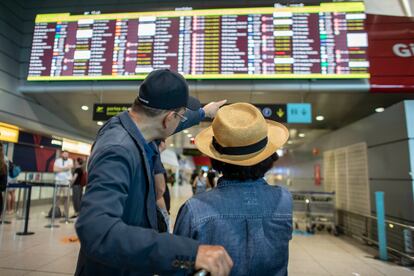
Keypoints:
pixel 339 75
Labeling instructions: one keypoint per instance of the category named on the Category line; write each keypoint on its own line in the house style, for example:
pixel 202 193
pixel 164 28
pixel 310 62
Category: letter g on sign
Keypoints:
pixel 403 50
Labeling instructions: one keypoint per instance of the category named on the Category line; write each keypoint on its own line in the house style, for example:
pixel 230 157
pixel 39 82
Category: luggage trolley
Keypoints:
pixel 314 209
pixel 301 208
pixel 322 212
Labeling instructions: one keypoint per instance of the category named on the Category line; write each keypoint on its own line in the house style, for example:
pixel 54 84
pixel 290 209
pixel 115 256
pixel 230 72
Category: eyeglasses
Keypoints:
pixel 183 119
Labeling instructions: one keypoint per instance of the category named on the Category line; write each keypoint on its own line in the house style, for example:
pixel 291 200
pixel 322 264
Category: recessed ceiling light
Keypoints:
pixel 185 131
pixel 99 123
pixel 320 118
pixel 279 152
pixel 290 142
pixel 84 107
pixel 189 135
pixel 301 135
pixel 379 109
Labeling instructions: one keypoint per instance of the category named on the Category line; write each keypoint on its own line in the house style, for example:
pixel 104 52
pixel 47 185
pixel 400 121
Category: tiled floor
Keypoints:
pixel 48 252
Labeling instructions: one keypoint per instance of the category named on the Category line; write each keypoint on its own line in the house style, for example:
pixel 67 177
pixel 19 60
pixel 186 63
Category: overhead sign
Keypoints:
pixel 323 41
pixel 103 112
pixel 9 133
pixel 391 53
pixel 299 113
pixel 291 113
pixel 76 147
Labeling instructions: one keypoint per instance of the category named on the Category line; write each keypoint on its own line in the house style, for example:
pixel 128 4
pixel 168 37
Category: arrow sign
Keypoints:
pixel 299 113
pixel 280 113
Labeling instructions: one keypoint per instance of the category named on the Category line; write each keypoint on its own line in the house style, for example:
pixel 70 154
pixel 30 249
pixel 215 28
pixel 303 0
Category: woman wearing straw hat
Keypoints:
pixel 250 218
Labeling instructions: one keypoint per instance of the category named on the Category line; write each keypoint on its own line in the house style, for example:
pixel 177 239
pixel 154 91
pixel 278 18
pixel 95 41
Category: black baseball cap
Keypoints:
pixel 165 89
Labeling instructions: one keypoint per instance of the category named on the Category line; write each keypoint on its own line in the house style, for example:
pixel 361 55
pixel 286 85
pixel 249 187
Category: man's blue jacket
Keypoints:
pixel 117 224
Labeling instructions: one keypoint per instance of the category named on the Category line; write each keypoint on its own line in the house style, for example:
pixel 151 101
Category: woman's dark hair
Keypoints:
pixel 242 173
pixel 80 161
pixel 211 178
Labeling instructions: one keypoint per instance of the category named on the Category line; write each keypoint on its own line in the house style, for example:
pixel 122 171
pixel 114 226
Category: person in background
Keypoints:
pixel 76 185
pixel 159 175
pixel 193 176
pixel 249 218
pixel 211 179
pixel 161 187
pixel 63 176
pixel 200 182
pixel 10 197
pixel 3 176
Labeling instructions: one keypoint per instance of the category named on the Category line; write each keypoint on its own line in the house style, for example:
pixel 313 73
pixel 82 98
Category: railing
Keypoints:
pixel 367 219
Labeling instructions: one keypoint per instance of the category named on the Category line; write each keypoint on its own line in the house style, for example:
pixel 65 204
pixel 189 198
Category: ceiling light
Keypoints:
pixel 171 145
pixel 379 109
pixel 301 135
pixel 279 152
pixel 290 142
pixel 185 131
pixel 189 135
pixel 84 107
pixel 99 123
pixel 320 118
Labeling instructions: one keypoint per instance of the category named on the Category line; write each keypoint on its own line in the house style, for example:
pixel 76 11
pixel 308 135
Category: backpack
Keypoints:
pixel 14 170
pixel 84 179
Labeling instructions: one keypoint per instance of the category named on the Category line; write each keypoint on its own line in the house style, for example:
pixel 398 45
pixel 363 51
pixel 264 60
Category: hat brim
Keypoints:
pixel 277 135
pixel 193 103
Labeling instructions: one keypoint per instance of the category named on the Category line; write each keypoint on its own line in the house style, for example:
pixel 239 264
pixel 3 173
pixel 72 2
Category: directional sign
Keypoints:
pixel 291 113
pixel 103 112
pixel 275 112
pixel 299 113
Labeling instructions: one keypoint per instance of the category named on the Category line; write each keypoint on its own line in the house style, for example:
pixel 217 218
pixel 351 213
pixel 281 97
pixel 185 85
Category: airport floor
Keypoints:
pixel 54 252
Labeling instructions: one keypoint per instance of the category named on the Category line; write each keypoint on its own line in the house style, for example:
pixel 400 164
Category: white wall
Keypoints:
pixel 390 139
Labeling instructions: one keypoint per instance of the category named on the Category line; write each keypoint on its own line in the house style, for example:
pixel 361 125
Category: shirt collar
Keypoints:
pixel 226 182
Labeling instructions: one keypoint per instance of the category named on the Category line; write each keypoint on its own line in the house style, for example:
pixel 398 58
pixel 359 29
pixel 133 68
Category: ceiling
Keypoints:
pixel 338 108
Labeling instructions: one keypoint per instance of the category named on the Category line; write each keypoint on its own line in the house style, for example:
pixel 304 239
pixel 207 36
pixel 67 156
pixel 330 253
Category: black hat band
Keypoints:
pixel 244 150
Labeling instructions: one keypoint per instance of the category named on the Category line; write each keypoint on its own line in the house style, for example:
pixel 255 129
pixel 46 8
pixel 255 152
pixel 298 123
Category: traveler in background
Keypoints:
pixel 63 176
pixel 76 185
pixel 200 182
pixel 3 176
pixel 249 218
pixel 211 179
pixel 161 188
pixel 117 224
pixel 193 176
pixel 159 176
pixel 12 171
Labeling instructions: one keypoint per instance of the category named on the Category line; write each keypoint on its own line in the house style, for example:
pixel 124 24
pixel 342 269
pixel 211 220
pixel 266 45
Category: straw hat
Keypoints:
pixel 240 135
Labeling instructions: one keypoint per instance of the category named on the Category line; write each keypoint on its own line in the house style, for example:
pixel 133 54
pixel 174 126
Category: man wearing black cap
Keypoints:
pixel 117 225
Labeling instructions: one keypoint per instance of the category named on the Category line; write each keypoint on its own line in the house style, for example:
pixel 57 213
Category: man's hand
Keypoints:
pixel 213 259
pixel 211 108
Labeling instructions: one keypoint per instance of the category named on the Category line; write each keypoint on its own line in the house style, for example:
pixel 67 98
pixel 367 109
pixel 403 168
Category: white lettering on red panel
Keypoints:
pixel 403 50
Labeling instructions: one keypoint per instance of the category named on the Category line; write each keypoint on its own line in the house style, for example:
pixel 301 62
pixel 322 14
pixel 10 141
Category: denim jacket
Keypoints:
pixel 251 220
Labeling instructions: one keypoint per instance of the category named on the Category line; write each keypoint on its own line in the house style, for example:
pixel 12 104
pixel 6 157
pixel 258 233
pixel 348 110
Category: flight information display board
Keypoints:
pixel 308 42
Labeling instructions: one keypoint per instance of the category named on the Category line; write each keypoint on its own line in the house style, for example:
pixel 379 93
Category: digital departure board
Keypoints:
pixel 307 42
